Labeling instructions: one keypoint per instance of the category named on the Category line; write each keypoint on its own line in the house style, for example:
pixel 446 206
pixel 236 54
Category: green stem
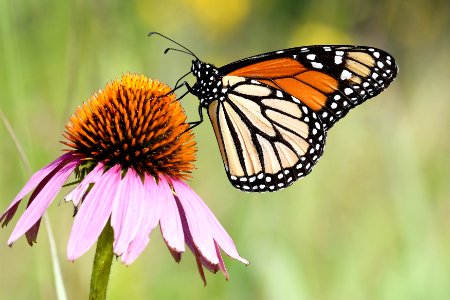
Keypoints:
pixel 102 264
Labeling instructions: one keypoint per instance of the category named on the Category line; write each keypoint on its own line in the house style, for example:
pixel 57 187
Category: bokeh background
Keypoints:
pixel 372 221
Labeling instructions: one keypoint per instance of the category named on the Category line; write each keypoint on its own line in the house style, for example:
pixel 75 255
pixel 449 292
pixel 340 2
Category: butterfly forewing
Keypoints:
pixel 266 139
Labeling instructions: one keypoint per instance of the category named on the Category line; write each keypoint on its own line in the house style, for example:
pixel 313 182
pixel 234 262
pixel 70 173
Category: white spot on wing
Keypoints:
pixel 317 65
pixel 348 91
pixel 346 75
pixel 311 56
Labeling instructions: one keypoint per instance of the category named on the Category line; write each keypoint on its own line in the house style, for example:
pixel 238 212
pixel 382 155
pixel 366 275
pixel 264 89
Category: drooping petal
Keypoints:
pixel 33 182
pixel 78 192
pixel 189 199
pixel 197 223
pixel 42 201
pixel 170 223
pixel 195 250
pixel 200 260
pixel 126 215
pixel 151 212
pixel 94 213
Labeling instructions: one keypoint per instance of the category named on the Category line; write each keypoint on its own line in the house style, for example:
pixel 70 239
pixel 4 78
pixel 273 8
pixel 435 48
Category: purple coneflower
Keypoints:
pixel 130 151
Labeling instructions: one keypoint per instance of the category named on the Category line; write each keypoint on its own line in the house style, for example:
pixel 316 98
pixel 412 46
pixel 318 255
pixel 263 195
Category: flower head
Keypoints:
pixel 130 149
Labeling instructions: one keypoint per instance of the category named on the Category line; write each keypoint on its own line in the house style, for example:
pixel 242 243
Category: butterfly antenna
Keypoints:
pixel 169 39
pixel 177 50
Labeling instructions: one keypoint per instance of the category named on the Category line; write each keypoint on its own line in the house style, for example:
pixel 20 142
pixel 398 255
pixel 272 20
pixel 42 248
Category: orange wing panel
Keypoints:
pixel 274 68
pixel 319 80
pixel 308 95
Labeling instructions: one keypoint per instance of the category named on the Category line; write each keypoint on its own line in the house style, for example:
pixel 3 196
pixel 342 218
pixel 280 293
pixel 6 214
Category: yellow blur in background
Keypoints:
pixel 372 221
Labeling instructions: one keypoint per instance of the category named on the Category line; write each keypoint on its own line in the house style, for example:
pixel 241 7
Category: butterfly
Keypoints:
pixel 271 112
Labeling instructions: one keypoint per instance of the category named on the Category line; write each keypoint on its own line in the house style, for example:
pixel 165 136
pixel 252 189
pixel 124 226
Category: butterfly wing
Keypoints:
pixel 330 80
pixel 267 141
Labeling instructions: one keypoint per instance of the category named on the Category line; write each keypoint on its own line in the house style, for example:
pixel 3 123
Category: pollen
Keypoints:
pixel 135 122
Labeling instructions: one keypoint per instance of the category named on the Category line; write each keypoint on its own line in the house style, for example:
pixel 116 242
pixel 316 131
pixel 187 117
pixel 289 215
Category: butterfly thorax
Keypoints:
pixel 209 83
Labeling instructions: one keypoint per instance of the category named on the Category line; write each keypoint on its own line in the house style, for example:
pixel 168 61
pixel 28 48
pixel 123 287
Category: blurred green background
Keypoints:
pixel 372 221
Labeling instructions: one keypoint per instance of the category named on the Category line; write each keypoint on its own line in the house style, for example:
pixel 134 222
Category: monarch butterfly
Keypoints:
pixel 271 112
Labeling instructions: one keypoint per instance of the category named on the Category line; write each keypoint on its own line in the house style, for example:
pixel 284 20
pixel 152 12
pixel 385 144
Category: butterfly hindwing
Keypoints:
pixel 266 139
pixel 331 80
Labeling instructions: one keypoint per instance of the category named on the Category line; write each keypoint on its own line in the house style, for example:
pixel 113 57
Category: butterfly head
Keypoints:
pixel 209 83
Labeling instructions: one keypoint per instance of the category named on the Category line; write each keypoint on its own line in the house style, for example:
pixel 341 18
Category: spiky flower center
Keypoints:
pixel 135 123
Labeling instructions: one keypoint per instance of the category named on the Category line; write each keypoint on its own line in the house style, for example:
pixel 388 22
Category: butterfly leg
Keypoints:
pixel 189 90
pixel 194 124
pixel 181 78
pixel 176 88
pixel 173 90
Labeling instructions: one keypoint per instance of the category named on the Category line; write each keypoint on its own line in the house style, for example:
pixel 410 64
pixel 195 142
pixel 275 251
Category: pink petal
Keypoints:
pixel 127 213
pixel 42 201
pixel 33 182
pixel 151 208
pixel 78 192
pixel 135 249
pixel 94 213
pixel 170 223
pixel 201 260
pixel 197 222
pixel 190 200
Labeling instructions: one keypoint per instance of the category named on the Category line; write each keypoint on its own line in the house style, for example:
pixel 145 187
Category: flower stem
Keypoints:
pixel 102 264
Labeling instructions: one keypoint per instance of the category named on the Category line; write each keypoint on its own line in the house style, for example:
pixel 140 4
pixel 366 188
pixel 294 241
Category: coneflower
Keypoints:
pixel 131 151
